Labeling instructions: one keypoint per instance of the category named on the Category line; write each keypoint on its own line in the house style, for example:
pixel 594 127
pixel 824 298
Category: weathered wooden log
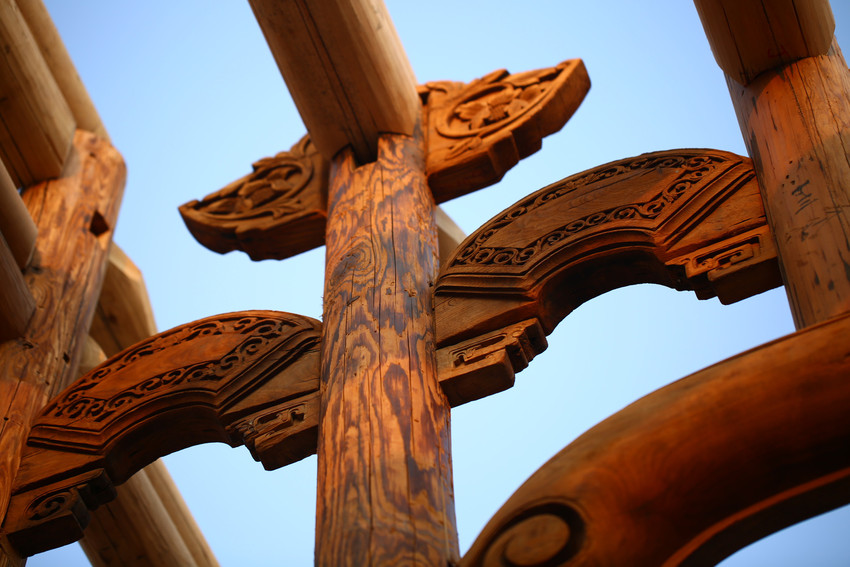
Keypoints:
pixel 749 37
pixel 37 127
pixel 385 481
pixel 345 68
pixel 796 124
pixel 75 215
pixel 694 471
pixel 16 224
pixel 61 67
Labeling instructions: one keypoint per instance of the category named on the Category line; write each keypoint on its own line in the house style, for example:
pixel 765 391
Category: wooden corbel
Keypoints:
pixel 474 134
pixel 687 219
pixel 245 378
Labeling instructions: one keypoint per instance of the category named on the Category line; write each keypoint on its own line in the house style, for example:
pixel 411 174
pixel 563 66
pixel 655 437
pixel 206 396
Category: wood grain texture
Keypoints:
pixel 16 225
pixel 244 378
pixel 477 131
pixel 59 62
pixel 749 37
pixel 796 124
pixel 36 125
pixel 345 68
pixel 694 471
pixel 16 303
pixel 687 219
pixel 385 483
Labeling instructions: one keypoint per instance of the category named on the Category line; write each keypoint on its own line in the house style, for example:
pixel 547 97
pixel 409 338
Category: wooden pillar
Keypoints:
pixel 385 482
pixel 795 119
pixel 16 225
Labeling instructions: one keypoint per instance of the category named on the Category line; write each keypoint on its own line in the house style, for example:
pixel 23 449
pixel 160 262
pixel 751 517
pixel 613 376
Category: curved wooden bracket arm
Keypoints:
pixel 722 458
pixel 244 378
pixel 474 134
pixel 687 219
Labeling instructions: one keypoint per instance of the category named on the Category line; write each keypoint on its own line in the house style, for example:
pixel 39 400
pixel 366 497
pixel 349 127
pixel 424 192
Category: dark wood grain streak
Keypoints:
pixel 385 483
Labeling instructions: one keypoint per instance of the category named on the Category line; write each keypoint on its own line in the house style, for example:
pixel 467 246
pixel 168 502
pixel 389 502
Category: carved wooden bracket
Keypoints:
pixel 722 458
pixel 475 133
pixel 687 219
pixel 246 378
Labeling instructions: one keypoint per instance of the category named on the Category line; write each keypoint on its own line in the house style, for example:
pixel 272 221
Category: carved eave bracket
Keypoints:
pixel 687 219
pixel 478 131
pixel 245 378
pixel 474 134
pixel 277 211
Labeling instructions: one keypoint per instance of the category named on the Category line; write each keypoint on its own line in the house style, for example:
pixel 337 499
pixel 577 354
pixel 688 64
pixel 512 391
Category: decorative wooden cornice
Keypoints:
pixel 687 219
pixel 474 134
pixel 702 455
pixel 246 378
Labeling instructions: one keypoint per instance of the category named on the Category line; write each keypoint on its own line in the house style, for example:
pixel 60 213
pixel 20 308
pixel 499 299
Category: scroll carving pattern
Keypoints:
pixel 688 219
pixel 278 210
pixel 587 505
pixel 243 378
pixel 478 131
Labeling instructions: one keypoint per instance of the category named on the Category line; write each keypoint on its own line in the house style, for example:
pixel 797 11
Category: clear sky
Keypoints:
pixel 191 97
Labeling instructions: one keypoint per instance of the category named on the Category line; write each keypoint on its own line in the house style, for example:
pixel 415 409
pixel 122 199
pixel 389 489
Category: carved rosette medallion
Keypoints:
pixel 283 199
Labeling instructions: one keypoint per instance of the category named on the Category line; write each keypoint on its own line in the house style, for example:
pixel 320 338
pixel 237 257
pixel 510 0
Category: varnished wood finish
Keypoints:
pixel 345 68
pixel 749 37
pixel 16 225
pixel 74 215
pixel 795 124
pixel 478 131
pixel 245 378
pixel 59 62
pixel 694 471
pixel 385 482
pixel 687 219
pixel 36 125
pixel 277 211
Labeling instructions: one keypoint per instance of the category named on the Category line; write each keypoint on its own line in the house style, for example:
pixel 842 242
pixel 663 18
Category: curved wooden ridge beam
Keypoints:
pixel 687 219
pixel 475 133
pixel 244 378
pixel 694 471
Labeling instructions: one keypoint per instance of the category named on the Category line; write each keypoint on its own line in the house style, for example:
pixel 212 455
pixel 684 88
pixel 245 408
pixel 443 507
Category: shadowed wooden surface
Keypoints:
pixel 694 471
pixel 385 481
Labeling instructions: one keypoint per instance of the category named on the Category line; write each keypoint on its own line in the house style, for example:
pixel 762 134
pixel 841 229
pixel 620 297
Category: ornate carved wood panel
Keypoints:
pixel 688 474
pixel 687 219
pixel 476 132
pixel 244 378
pixel 278 210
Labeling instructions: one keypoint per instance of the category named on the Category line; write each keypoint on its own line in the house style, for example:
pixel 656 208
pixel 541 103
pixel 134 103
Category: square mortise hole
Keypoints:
pixel 98 224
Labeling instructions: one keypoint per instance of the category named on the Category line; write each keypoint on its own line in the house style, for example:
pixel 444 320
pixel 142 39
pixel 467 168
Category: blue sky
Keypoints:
pixel 191 97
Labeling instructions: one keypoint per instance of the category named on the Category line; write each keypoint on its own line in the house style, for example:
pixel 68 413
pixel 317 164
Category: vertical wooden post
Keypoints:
pixel 793 106
pixel 385 483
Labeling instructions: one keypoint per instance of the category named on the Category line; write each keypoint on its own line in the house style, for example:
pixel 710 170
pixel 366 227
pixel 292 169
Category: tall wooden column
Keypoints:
pixel 385 482
pixel 791 89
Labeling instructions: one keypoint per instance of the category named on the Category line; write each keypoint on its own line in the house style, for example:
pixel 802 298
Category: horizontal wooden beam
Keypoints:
pixel 61 67
pixel 749 37
pixel 345 67
pixel 36 124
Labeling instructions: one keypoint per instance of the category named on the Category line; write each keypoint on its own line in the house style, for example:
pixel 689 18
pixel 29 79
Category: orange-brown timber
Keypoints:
pixel 385 483
pixel 75 215
pixel 796 124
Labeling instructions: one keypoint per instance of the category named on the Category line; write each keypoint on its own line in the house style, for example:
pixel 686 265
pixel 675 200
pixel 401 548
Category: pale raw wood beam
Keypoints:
pixel 749 37
pixel 16 225
pixel 449 234
pixel 36 125
pixel 794 121
pixel 59 62
pixel 345 68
